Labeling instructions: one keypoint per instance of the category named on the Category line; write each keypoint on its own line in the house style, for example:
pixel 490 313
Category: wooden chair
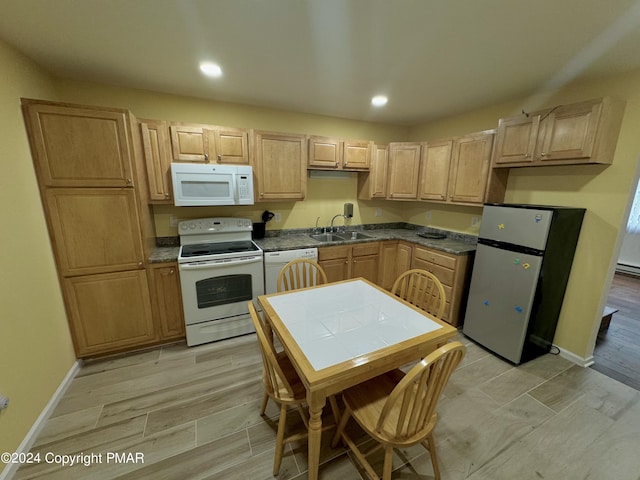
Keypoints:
pixel 398 414
pixel 422 289
pixel 282 384
pixel 300 273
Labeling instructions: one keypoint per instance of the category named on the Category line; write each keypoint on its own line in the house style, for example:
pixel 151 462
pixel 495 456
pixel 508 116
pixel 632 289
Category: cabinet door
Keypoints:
pixel 167 299
pixel 357 155
pixel 365 266
pixel 230 145
pixel 325 153
pixel 470 162
pixel 335 262
pixel 434 173
pixel 79 147
pixel 379 171
pixel 404 163
pixel 109 312
pixel 95 230
pixel 281 166
pixel 516 139
pixel 569 131
pixel 157 156
pixel 189 143
pixel 403 259
pixel 387 264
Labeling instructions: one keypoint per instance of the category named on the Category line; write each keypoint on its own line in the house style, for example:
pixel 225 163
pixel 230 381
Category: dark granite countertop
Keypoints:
pixel 454 243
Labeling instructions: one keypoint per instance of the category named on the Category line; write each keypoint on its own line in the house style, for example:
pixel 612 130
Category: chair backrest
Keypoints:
pixel 414 399
pixel 422 289
pixel 300 273
pixel 275 381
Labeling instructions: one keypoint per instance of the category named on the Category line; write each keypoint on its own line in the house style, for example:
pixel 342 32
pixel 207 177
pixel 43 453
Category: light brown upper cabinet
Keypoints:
pixel 578 133
pixel 157 155
pixel 458 171
pixel 79 146
pixel 373 184
pixel 327 153
pixel 209 144
pixel 470 164
pixel 357 154
pixel 280 165
pixel 434 174
pixel 404 165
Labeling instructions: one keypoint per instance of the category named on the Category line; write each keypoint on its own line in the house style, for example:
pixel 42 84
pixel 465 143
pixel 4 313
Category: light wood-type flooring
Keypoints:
pixel 617 351
pixel 192 413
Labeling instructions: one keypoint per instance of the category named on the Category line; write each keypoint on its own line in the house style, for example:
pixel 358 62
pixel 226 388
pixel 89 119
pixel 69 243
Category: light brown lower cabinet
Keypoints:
pixel 342 262
pixel 453 272
pixel 167 300
pixel 109 312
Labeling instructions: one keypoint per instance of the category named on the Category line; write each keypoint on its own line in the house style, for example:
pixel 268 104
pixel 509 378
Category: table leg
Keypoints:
pixel 316 402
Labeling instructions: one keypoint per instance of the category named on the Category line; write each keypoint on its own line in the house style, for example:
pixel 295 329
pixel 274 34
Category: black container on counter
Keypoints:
pixel 258 230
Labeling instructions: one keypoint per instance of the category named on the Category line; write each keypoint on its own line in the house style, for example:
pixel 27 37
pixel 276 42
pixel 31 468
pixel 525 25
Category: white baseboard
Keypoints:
pixel 38 425
pixel 628 269
pixel 572 357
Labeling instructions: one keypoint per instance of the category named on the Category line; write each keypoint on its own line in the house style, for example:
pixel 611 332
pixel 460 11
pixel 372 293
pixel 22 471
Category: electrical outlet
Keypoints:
pixel 427 215
pixel 173 221
pixel 378 212
pixel 277 217
pixel 475 221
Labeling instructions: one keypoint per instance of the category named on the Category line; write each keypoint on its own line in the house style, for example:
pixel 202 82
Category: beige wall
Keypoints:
pixel 605 191
pixel 35 343
pixel 325 197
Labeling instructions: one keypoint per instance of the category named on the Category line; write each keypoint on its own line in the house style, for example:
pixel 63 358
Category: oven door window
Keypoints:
pixel 215 291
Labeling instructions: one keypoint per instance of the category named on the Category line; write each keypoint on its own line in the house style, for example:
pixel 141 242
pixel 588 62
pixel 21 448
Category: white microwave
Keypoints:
pixel 201 184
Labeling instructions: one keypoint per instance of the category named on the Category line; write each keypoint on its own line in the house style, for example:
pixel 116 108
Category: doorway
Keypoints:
pixel 617 349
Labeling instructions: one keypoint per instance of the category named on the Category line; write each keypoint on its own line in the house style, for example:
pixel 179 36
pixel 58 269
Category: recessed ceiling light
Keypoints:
pixel 211 69
pixel 379 101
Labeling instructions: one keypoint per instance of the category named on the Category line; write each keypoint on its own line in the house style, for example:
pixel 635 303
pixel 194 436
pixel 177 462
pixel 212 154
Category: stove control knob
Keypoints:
pixel 192 225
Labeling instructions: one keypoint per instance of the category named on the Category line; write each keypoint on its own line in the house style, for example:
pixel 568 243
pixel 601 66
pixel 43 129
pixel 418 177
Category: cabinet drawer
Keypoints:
pixel 445 275
pixel 366 249
pixel 432 256
pixel 330 253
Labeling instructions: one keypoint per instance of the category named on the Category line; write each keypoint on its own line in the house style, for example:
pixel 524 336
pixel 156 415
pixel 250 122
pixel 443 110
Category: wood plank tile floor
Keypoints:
pixel 192 413
pixel 617 351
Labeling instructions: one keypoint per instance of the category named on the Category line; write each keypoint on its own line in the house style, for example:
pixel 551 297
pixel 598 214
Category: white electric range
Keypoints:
pixel 221 269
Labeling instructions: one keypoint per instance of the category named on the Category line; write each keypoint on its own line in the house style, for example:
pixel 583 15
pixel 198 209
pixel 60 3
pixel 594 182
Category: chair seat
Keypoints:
pixel 299 392
pixel 367 400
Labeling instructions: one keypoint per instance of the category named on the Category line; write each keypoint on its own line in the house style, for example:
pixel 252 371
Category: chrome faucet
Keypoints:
pixel 336 216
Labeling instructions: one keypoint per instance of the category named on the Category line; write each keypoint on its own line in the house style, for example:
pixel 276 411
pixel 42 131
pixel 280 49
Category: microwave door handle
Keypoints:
pixel 216 263
pixel 234 190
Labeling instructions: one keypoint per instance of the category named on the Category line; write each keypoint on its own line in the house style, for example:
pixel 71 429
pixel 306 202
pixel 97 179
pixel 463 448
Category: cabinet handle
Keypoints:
pixel 206 158
pixel 140 264
pixel 543 154
pixel 172 271
pixel 128 180
pixel 527 155
pixel 261 194
pixel 336 164
pixel 219 158
pixel 166 195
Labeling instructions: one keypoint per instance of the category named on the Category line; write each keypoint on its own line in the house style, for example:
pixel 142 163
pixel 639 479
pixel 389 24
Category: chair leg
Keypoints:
pixel 431 446
pixel 265 399
pixel 282 423
pixel 341 425
pixel 388 463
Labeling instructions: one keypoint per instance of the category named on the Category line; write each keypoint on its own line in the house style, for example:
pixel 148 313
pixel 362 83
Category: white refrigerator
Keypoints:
pixel 520 273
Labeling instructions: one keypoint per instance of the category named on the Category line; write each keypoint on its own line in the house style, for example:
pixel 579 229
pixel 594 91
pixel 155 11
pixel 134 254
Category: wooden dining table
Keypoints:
pixel 340 334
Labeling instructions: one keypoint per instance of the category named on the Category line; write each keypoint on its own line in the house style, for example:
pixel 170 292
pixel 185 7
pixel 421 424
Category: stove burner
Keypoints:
pixel 201 249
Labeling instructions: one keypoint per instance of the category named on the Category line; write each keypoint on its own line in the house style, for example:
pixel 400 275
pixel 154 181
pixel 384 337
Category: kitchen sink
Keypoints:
pixel 327 237
pixel 335 237
pixel 355 236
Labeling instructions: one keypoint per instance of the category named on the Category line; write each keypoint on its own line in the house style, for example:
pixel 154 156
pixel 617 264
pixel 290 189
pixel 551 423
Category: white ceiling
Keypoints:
pixel 433 58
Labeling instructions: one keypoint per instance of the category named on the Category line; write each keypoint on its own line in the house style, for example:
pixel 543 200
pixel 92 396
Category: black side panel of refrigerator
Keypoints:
pixel 552 283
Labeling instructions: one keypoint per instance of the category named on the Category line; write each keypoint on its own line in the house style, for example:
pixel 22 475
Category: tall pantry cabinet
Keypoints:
pixel 88 178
